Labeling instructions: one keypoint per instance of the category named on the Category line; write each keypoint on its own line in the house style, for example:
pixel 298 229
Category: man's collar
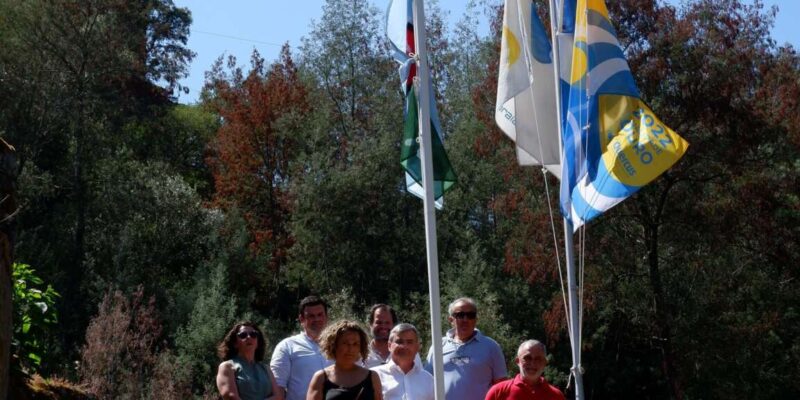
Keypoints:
pixel 394 367
pixel 519 381
pixel 305 335
pixel 451 335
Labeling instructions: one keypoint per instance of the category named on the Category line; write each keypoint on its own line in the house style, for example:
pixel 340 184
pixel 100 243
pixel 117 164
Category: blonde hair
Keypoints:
pixel 331 335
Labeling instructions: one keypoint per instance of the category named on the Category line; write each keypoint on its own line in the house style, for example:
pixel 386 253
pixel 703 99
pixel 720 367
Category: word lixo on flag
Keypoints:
pixel 613 143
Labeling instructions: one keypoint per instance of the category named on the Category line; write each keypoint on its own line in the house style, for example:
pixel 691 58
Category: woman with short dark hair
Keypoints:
pixel 241 374
pixel 344 342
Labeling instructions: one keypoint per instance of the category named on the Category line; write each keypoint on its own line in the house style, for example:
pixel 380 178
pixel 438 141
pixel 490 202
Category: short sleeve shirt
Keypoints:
pixel 294 362
pixel 470 367
pixel 517 389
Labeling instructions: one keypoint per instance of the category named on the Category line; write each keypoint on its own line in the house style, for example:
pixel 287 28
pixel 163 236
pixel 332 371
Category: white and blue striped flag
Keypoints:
pixel 613 144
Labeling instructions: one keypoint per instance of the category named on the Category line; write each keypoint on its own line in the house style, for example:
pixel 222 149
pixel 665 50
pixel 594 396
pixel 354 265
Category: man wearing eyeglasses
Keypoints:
pixel 297 358
pixel 402 377
pixel 472 362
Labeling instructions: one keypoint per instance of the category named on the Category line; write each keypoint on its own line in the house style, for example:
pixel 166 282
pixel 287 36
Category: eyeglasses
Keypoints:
pixel 244 335
pixel 465 315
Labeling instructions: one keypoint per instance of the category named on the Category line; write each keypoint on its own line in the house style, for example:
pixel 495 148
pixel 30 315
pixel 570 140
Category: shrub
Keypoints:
pixel 122 356
pixel 33 318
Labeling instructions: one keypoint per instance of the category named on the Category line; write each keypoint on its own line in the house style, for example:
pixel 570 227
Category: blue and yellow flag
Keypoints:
pixel 613 143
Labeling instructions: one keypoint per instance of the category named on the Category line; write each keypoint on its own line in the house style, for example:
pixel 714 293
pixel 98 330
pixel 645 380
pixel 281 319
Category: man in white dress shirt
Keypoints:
pixel 298 357
pixel 402 378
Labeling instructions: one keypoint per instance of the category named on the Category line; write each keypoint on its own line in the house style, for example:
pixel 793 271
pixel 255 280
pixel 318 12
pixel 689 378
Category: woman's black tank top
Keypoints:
pixel 362 391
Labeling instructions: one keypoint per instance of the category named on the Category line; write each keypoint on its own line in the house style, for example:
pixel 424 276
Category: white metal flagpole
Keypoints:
pixel 423 80
pixel 574 310
pixel 574 325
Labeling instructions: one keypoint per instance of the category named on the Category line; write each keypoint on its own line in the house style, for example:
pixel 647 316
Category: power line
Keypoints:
pixel 236 38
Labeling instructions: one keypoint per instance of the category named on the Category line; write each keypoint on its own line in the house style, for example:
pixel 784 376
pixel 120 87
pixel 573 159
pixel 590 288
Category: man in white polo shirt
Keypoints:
pixel 402 377
pixel 298 357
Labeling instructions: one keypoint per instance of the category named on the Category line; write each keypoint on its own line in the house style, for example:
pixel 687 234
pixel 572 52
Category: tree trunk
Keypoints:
pixel 662 315
pixel 8 209
pixel 73 264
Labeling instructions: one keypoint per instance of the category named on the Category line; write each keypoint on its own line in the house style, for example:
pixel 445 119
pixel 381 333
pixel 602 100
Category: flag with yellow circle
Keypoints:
pixel 613 143
pixel 526 109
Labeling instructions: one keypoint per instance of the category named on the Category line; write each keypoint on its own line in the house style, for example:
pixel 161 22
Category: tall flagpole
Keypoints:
pixel 574 325
pixel 423 81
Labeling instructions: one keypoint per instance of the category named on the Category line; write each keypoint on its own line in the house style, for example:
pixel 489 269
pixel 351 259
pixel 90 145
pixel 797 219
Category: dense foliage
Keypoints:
pixel 161 224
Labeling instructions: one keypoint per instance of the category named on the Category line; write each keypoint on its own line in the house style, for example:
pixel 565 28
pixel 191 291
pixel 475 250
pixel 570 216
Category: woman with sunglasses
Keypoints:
pixel 241 375
pixel 344 342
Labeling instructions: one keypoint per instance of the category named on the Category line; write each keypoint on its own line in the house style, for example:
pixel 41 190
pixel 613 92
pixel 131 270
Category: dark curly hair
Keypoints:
pixel 227 348
pixel 331 334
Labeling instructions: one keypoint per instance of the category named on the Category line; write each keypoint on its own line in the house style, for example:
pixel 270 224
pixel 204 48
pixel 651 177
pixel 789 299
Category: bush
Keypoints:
pixel 122 357
pixel 34 316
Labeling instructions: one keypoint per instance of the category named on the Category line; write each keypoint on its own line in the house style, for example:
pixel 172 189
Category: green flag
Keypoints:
pixel 443 175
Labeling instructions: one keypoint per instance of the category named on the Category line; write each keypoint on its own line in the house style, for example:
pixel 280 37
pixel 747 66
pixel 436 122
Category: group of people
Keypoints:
pixel 340 362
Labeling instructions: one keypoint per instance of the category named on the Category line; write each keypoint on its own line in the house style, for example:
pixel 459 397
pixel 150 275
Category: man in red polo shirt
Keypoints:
pixel 529 384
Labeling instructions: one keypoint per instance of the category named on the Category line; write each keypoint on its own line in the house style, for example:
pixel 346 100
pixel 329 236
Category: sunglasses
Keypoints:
pixel 465 315
pixel 245 335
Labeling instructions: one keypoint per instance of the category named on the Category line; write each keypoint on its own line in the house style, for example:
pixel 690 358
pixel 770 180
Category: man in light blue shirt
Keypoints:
pixel 472 362
pixel 298 357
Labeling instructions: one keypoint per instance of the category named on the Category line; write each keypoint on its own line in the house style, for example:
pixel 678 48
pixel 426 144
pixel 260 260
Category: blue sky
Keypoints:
pixel 238 26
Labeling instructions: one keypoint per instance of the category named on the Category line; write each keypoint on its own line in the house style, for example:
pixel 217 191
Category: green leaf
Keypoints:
pixel 35 358
pixel 42 306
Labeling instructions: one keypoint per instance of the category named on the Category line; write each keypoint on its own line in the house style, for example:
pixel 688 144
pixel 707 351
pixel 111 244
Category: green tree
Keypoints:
pixel 176 137
pixel 213 313
pixel 147 226
pixel 74 72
